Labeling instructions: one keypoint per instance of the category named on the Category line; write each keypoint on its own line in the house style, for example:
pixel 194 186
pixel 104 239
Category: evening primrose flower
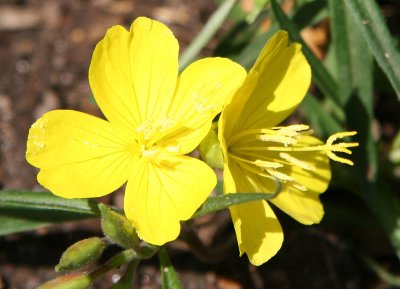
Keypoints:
pixel 153 118
pixel 258 154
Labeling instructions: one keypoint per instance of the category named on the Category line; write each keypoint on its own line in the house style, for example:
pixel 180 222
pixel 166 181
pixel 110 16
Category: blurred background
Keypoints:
pixel 45 52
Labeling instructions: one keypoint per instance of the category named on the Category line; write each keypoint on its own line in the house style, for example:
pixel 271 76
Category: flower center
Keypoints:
pixel 269 152
pixel 150 136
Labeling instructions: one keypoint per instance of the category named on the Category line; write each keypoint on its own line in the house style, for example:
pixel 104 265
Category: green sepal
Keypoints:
pixel 118 229
pixel 70 281
pixel 210 150
pixel 80 254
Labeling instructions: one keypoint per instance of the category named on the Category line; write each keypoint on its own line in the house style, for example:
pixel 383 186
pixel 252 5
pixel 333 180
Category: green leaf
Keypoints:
pixel 170 279
pixel 21 211
pixel 309 13
pixel 341 48
pixel 213 204
pixel 321 76
pixel 360 107
pixel 369 19
pixel 320 119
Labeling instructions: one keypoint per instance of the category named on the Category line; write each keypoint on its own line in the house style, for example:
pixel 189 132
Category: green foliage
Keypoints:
pixel 369 20
pixel 21 211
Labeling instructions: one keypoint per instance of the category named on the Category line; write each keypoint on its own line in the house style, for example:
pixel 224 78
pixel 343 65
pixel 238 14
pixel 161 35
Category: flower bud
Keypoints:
pixel 117 228
pixel 81 254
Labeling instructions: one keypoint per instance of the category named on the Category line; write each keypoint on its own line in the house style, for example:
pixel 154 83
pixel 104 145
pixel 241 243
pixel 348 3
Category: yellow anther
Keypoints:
pixel 340 147
pixel 267 165
pixel 279 175
pixel 292 130
pixel 296 162
pixel 286 140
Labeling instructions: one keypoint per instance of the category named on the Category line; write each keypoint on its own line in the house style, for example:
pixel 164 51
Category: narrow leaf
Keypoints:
pixel 21 211
pixel 170 279
pixel 324 123
pixel 369 19
pixel 213 24
pixel 213 204
pixel 341 48
pixel 46 201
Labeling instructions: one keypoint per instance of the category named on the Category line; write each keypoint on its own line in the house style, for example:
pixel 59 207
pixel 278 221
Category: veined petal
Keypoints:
pixel 133 74
pixel 258 231
pixel 203 88
pixel 163 192
pixel 79 155
pixel 283 78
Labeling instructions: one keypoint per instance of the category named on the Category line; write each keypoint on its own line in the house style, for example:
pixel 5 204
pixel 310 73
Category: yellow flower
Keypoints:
pixel 258 153
pixel 153 118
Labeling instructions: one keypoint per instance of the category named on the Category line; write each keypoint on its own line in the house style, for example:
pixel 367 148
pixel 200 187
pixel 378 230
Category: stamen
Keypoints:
pixel 297 162
pixel 292 130
pixel 267 165
pixel 286 135
pixel 279 175
pixel 286 140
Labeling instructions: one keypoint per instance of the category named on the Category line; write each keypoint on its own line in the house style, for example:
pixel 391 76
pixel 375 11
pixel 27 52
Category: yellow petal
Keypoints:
pixel 258 231
pixel 79 156
pixel 283 77
pixel 162 193
pixel 203 88
pixel 133 74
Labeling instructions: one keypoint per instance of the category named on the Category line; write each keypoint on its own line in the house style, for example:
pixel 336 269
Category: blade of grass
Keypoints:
pixel 208 31
pixel 369 19
pixel 23 211
pixel 341 48
pixel 46 202
pixel 324 123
